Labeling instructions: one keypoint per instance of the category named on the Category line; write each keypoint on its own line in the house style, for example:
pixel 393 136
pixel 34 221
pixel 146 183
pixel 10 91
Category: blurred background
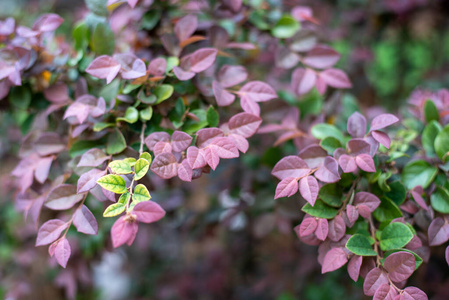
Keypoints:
pixel 224 236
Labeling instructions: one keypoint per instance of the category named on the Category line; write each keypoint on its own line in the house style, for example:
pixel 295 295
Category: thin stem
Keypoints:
pixel 349 197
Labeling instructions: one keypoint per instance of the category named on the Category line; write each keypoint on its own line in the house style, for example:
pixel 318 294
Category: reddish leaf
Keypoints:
pixel 244 124
pixel 201 59
pixel 313 155
pixel 49 143
pixel 123 231
pixel 57 93
pixel 211 157
pixel 43 168
pixel 328 172
pixel 335 78
pixel 231 75
pixel 104 67
pixel 257 91
pixel 337 228
pixel 155 137
pixel 367 199
pixel 162 147
pixel 85 221
pixel 50 231
pixel 382 138
pixel 365 162
pixel 195 158
pixel 356 125
pixel 223 97
pixel 157 66
pixel 364 211
pixel 358 146
pixel 250 106
pixel 183 75
pixel 322 229
pixel 413 293
pixel 290 166
pixel 63 197
pixel 419 199
pixel 88 180
pixel 354 265
pixel 374 279
pixel 180 141
pixel 334 259
pixel 185 171
pixel 400 265
pixel 308 226
pixel 165 165
pixel 47 22
pixel 131 66
pixel 438 232
pixel 446 255
pixel 62 252
pixel 185 27
pixel 352 214
pixel 286 188
pixel 383 121
pixel 148 212
pixel 347 163
pixel 240 142
pixel 385 292
pixel 224 148
pixel 309 188
pixel 93 158
pixel 321 57
pixel 206 135
pixel 303 80
pixel 7 26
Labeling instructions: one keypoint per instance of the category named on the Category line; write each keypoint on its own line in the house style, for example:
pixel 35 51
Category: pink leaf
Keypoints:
pixel 185 27
pixel 385 292
pixel 123 231
pixel 211 157
pixel 321 57
pixel 365 162
pixel 205 136
pixel 382 138
pixel 308 187
pixel 313 155
pixel 201 59
pixel 50 231
pixel 43 168
pixel 49 143
pixel 231 75
pixel 336 78
pixel 93 158
pixel 328 172
pixel 257 91
pixel 290 166
pixel 322 229
pixel 446 255
pixel 162 147
pixel 180 141
pixel 148 212
pixel 7 26
pixel 224 148
pixel 47 22
pixel 321 85
pixel 367 199
pixel 413 293
pixel 157 66
pixel 195 158
pixel 244 124
pixel 165 165
pixel 223 97
pixel 358 146
pixel 63 197
pixel 132 3
pixel 364 211
pixel 88 180
pixel 354 265
pixel 356 125
pixel 337 228
pixel 85 221
pixel 155 137
pixel 183 75
pixel 303 80
pixel 286 188
pixel 57 93
pixel 135 70
pixel 352 214
pixel 400 265
pixel 185 171
pixel 104 67
pixel 240 142
pixel 383 121
pixel 334 259
pixel 347 163
pixel 250 106
pixel 374 279
pixel 419 199
pixel 308 226
pixel 438 232
pixel 62 252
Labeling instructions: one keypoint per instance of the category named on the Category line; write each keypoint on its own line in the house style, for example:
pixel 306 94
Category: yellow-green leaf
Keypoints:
pixel 131 115
pixel 113 183
pixel 114 210
pixel 124 198
pixel 141 193
pixel 146 156
pixel 120 167
pixel 131 161
pixel 141 168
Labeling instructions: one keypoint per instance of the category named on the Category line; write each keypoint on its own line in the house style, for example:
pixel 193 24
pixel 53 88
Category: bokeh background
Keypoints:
pixel 224 236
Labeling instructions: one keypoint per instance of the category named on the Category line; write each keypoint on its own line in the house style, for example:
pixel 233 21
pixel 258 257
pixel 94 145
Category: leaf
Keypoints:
pixel 148 212
pixel 113 183
pixel 357 125
pixel 222 96
pixel 414 293
pixel 442 143
pixel 286 188
pixel 308 226
pixel 205 136
pixel 102 40
pixel 439 200
pixel 365 162
pixel 328 172
pixel 93 158
pixel 337 228
pixel 88 180
pixel 418 172
pixel 116 142
pixel 354 266
pixel 163 92
pixel 183 75
pixel 382 138
pixel 141 193
pixel 334 259
pixel 382 121
pixel 418 259
pixel 395 235
pixel 429 135
pixel 146 114
pixel 431 111
pixel 185 27
pixel 385 292
pixel 321 57
pixel 185 171
pixel 50 231
pixel 194 158
pixel 123 231
pixel 49 143
pixel 224 148
pixel 47 22
pixel 438 232
pixel 347 163
pixel 104 67
pixel 308 187
pixel 212 116
pixel 335 78
pixel 303 80
pixel 373 280
pixel 231 75
pixel 320 210
pixel 286 27
pixel 141 168
pixel 120 167
pixel 180 141
pixel 322 131
pixel 165 165
pixel 155 137
pixel 322 229
pixel 400 265
pixel 114 210
pixel 85 221
pixel 202 59
pixel 62 252
pixel 131 115
pixel 244 124
pixel 369 200
pixel 290 166
pixel 387 210
pixel 360 245
pixel 331 194
pixel 257 91
pixel 63 197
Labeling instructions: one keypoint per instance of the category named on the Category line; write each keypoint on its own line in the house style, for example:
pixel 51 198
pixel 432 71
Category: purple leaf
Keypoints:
pixel 43 168
pixel 419 199
pixel 303 80
pixel 165 165
pixel 155 137
pixel 400 265
pixel 286 188
pixel 335 78
pixel 148 212
pixel 239 141
pixel 49 143
pixel 413 293
pixel 250 106
pixel 354 265
pixel 211 157
pixel 7 26
pixel 337 228
pixel 132 3
pixel 224 148
pixel 183 75
pixel 321 57
pixel 57 93
pixel 104 67
pixel 205 136
pixel 446 255
pixel 93 158
pixel 223 97
pixel 383 121
pixel 358 146
pixel 322 229
pixel 180 141
pixel 382 138
pixel 123 231
pixel 347 163
pixel 374 279
pixel 367 199
pixel 194 158
pixel 244 124
pixel 62 252
pixel 365 162
pixel 231 75
pixel 47 22
pixel 132 67
pixel 352 214
pixel 308 187
pixel 328 172
pixel 313 155
pixel 63 197
pixel 157 66
pixel 162 147
pixel 88 180
pixel 374 145
pixel 290 166
pixel 357 125
pixel 185 171
pixel 185 27
pixel 438 232
pixel 50 231
pixel 201 59
pixel 308 226
pixel 385 292
pixel 85 221
pixel 257 91
pixel 334 259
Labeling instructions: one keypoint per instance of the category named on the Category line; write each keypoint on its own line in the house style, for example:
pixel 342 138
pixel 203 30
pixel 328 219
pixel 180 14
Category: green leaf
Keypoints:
pixel 116 142
pixel 120 167
pixel 330 144
pixel 163 92
pixel 397 192
pixel 146 114
pixel 394 236
pixel 320 210
pixel 110 91
pixel 102 40
pixel 141 168
pixel 439 200
pixel 130 87
pixel 113 183
pixel 331 195
pixel 131 161
pixel 124 198
pixel 387 210
pixel 131 115
pixel 172 62
pixel 98 7
pixel 20 97
pixel 382 181
pixel 323 130
pixel 286 27
pixel 80 35
pixel 150 19
pixel 429 134
pixel 102 125
pixel 147 156
pixel 114 210
pixel 79 147
pixel 418 258
pixel 141 193
pixel 360 245
pixel 431 111
pixel 418 172
pixel 442 143
pixel 151 99
pixel 212 117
